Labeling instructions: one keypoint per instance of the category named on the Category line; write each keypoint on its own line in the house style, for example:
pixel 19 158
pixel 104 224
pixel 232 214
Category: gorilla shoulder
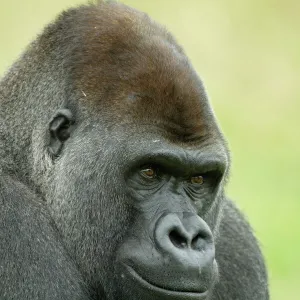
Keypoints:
pixel 34 265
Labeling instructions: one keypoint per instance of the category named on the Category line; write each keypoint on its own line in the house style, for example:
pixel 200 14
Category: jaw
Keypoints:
pixel 133 282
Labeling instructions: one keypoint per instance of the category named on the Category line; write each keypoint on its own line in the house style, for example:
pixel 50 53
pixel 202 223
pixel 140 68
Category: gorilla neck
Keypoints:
pixel 14 148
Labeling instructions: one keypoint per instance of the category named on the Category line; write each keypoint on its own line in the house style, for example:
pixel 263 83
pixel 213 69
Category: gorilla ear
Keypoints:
pixel 60 130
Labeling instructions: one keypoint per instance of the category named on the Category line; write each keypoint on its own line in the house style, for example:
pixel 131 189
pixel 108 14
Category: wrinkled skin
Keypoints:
pixel 113 170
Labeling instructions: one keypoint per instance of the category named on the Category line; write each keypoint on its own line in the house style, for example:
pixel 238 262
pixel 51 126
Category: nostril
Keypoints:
pixel 177 239
pixel 199 241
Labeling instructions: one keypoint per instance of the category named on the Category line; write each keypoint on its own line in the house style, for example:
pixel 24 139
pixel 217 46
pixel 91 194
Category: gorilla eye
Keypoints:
pixel 197 179
pixel 148 172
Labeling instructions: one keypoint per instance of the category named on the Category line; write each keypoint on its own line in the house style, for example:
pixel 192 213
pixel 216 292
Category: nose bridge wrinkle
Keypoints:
pixel 192 224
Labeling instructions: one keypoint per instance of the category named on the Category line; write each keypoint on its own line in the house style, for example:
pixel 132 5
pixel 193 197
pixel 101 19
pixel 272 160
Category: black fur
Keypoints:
pixel 101 98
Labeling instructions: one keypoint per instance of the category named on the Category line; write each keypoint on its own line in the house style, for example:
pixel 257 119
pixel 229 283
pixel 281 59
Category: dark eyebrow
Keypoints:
pixel 187 165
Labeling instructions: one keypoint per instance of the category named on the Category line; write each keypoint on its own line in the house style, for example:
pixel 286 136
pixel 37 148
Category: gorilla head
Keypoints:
pixel 139 161
pixel 123 146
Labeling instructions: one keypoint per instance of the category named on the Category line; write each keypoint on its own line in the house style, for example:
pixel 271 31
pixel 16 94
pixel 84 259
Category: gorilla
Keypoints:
pixel 113 170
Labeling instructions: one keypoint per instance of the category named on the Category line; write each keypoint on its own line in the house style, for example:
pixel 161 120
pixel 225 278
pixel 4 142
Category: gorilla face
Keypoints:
pixel 169 251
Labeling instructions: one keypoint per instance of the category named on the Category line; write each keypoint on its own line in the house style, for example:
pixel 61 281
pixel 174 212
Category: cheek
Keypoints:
pixel 214 215
pixel 89 209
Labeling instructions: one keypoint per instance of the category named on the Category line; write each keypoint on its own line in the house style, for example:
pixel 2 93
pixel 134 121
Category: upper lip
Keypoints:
pixel 186 294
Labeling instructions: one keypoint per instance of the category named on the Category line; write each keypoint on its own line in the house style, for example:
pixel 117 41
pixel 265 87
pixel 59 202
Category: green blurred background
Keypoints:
pixel 248 54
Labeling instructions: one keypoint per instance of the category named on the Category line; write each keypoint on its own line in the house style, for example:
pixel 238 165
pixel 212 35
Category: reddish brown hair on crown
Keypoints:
pixel 128 65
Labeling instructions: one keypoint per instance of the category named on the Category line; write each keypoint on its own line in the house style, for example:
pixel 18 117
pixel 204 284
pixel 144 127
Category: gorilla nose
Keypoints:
pixel 185 238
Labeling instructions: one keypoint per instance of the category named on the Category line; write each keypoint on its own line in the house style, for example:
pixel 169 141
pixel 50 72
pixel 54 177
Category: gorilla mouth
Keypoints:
pixel 165 292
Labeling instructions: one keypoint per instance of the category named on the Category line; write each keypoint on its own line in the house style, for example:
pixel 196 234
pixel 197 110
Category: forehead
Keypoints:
pixel 133 69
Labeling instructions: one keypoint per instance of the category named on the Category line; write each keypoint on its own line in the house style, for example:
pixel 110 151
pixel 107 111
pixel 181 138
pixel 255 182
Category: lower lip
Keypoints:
pixel 166 293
